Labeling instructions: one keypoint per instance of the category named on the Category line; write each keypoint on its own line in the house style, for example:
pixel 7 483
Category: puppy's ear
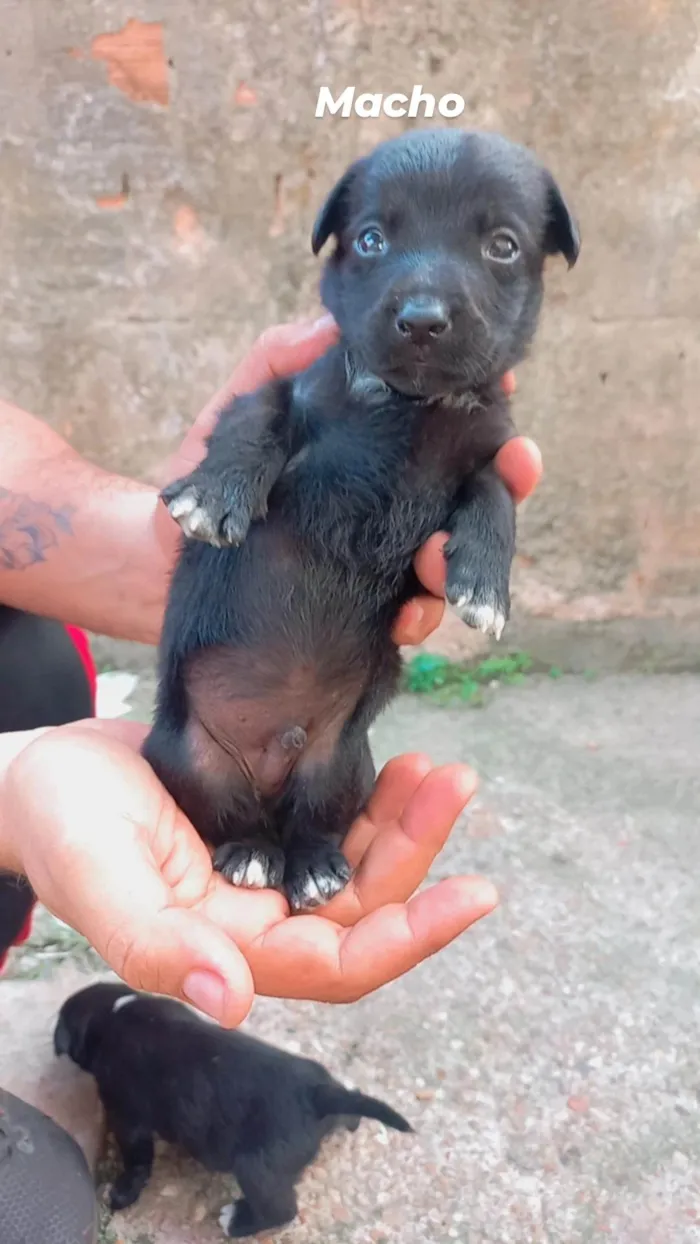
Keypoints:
pixel 74 1035
pixel 61 1037
pixel 562 235
pixel 333 214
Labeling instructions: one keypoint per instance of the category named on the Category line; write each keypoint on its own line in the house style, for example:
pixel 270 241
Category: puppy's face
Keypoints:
pixel 436 280
pixel 81 1020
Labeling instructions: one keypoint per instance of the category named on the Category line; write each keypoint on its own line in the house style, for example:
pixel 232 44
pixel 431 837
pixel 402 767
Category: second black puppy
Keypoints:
pixel 317 491
pixel 235 1104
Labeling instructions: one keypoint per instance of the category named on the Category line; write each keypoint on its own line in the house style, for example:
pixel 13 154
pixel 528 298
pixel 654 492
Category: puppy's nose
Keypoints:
pixel 422 318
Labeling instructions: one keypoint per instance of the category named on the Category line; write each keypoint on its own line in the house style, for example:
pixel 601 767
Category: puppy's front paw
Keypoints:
pixel 313 876
pixel 481 599
pixel 482 609
pixel 124 1192
pixel 254 866
pixel 217 509
pixel 236 1220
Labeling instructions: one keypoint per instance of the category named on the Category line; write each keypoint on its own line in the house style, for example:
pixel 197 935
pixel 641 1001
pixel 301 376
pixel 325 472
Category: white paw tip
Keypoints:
pixel 311 894
pixel 252 873
pixel 226 1218
pixel 198 520
pixel 488 620
pixel 184 505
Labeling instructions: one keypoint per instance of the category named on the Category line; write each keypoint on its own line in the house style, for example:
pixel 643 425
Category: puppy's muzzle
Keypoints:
pixel 422 318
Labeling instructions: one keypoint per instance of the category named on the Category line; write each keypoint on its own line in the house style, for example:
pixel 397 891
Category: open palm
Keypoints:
pixel 112 855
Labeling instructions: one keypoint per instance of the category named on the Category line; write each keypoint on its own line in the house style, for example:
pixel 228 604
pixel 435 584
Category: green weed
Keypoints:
pixel 447 681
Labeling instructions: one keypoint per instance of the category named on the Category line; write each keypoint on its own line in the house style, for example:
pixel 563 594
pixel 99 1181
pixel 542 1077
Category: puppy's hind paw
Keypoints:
pixel 314 875
pixel 123 1193
pixel 226 1218
pixel 251 866
pixel 236 1220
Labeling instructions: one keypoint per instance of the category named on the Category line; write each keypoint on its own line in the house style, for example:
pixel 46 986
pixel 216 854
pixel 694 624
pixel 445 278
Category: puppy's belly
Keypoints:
pixel 252 723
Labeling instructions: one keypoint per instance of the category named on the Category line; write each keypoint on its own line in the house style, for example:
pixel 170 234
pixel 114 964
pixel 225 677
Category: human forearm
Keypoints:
pixel 84 546
pixel 76 542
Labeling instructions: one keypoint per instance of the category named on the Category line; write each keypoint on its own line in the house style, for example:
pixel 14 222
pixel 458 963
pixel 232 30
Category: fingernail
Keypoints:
pixel 485 894
pixel 418 618
pixel 323 322
pixel 413 625
pixel 206 992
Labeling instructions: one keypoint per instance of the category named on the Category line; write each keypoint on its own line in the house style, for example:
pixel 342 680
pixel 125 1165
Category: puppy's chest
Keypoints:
pixel 375 484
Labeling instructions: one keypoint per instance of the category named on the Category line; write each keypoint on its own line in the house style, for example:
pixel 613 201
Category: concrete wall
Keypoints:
pixel 158 182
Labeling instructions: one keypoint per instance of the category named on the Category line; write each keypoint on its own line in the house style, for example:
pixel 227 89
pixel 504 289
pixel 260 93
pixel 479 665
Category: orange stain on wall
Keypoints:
pixel 135 60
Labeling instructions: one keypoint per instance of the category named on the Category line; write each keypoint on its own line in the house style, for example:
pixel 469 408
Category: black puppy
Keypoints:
pixel 235 1104
pixel 317 491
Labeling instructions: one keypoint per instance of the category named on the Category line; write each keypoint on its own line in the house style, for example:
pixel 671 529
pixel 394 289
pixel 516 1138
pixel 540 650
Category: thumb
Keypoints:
pixel 97 831
pixel 122 904
pixel 278 352
pixel 180 953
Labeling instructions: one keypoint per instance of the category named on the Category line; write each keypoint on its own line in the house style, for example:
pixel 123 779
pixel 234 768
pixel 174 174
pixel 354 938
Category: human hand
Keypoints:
pixel 107 850
pixel 279 351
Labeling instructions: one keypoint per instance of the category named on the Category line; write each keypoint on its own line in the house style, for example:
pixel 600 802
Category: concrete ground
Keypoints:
pixel 549 1059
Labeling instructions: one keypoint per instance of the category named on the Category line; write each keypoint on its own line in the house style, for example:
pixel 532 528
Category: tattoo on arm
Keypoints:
pixel 29 529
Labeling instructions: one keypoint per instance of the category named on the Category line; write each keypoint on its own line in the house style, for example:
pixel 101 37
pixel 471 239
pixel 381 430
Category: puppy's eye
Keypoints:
pixel 503 246
pixel 371 242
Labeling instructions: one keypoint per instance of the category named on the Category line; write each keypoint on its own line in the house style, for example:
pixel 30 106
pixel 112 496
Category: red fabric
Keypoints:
pixel 82 645
pixel 21 937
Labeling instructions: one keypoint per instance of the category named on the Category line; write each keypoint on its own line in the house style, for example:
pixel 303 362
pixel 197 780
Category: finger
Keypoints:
pixel 103 839
pixel 430 563
pixel 242 914
pixel 519 464
pixel 393 940
pixel 400 856
pixel 396 785
pixel 509 383
pixel 418 619
pixel 312 958
pixel 279 351
pixel 119 902
pixel 183 954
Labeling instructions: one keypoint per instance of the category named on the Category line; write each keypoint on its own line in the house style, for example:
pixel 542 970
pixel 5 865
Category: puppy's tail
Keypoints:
pixel 333 1099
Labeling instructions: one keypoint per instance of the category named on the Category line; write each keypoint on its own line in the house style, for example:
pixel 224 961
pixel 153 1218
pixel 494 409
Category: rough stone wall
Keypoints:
pixel 161 165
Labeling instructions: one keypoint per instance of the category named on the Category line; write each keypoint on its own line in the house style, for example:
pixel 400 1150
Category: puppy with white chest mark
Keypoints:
pixel 234 1103
pixel 316 492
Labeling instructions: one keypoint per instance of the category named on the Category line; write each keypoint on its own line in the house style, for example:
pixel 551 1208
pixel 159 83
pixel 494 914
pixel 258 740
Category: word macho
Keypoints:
pixel 395 105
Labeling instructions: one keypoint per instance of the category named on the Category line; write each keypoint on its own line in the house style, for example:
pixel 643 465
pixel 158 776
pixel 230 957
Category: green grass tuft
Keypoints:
pixel 448 681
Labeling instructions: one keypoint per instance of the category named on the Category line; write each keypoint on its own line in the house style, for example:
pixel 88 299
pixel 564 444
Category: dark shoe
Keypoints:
pixel 47 1195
